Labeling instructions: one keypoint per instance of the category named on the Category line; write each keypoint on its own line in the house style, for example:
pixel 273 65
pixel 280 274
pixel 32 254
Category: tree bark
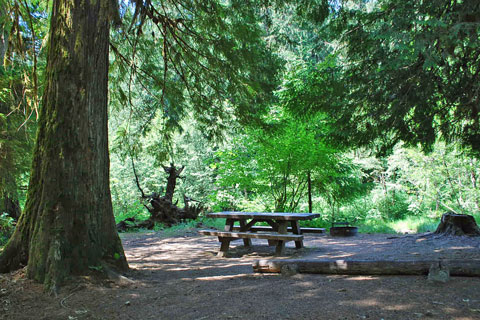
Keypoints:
pixel 68 224
pixel 355 267
pixel 173 174
pixel 3 34
pixel 310 202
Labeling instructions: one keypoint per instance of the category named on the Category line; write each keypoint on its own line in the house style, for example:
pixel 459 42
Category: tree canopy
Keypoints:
pixel 404 71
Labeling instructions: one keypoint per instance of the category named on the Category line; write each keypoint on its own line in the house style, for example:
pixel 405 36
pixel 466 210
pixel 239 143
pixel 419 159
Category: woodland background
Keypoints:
pixel 371 107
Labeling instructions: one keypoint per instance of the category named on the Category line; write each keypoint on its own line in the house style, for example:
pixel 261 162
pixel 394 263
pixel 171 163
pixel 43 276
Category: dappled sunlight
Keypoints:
pixel 197 268
pixel 349 244
pixel 461 247
pixel 398 307
pixel 230 277
pixel 370 302
pixel 187 269
pixel 362 278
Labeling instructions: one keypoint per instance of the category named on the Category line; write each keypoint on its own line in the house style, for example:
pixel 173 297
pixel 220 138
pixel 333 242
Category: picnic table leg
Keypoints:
pixel 246 242
pixel 279 248
pixel 274 226
pixel 296 230
pixel 282 229
pixel 272 242
pixel 225 243
pixel 229 225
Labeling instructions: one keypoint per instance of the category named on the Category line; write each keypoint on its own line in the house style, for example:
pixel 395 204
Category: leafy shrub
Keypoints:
pixel 7 226
pixel 134 209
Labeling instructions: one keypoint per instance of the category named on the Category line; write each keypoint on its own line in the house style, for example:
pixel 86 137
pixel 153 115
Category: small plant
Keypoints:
pixel 96 268
pixel 7 226
pixel 135 210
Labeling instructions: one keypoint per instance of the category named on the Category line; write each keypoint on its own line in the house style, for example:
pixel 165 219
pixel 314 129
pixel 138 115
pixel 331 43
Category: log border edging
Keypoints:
pixel 468 268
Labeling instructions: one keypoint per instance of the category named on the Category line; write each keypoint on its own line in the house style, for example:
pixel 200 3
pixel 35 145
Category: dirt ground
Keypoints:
pixel 180 277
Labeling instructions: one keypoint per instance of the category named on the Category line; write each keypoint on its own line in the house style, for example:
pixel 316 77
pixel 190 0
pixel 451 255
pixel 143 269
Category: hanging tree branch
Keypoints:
pixel 136 178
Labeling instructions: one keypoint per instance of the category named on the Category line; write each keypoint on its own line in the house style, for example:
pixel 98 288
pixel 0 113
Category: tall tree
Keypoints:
pixel 67 225
pixel 22 28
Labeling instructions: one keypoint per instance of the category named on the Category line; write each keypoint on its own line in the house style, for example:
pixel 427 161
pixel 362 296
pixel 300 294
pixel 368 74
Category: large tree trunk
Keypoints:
pixel 68 224
pixel 457 225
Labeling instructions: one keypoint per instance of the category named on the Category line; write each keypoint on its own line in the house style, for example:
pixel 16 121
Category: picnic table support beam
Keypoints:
pixel 229 224
pixel 282 229
pixel 248 226
pixel 280 248
pixel 296 230
pixel 273 224
pixel 243 227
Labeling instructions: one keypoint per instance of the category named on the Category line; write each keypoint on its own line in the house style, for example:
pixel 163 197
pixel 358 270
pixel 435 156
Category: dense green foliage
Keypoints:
pixel 6 229
pixel 204 60
pixel 22 30
pixel 273 168
pixel 404 71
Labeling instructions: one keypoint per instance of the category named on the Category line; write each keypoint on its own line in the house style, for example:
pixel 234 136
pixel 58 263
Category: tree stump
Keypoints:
pixel 458 225
pixel 161 208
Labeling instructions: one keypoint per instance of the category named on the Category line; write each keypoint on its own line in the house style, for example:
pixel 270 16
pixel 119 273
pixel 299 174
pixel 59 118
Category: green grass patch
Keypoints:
pixel 410 224
pixel 191 224
pixel 183 227
pixel 373 226
pixel 316 223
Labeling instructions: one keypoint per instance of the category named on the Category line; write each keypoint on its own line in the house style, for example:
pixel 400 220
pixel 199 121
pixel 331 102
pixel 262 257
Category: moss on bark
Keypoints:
pixel 68 224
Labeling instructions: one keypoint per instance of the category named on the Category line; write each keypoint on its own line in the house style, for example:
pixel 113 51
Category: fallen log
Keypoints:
pixel 469 268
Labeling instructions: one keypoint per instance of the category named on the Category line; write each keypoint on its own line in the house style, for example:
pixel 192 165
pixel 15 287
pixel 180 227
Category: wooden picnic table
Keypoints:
pixel 283 227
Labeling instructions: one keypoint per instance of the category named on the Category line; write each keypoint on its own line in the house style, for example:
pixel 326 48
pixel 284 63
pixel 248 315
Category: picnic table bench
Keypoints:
pixel 283 227
pixel 289 229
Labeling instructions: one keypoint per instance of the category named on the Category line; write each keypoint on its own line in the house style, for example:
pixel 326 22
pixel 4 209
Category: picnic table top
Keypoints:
pixel 263 215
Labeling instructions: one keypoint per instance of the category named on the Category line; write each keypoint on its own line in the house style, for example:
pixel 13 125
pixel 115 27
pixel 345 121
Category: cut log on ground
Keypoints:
pixel 457 225
pixel 470 268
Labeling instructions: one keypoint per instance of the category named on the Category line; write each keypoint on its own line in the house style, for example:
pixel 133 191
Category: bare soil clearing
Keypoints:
pixel 180 277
